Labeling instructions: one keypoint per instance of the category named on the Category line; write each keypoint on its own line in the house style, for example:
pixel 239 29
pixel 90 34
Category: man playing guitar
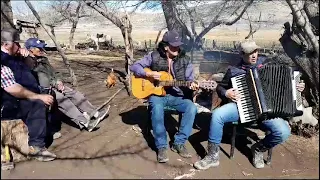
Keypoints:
pixel 170 58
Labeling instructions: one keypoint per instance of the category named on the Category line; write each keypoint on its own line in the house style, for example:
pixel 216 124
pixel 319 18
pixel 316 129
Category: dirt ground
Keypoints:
pixel 119 150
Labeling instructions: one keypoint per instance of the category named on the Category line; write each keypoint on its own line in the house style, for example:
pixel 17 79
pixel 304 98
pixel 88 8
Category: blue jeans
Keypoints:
pixel 279 129
pixel 185 106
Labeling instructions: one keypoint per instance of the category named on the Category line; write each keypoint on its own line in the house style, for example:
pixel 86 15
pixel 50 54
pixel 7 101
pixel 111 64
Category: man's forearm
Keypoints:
pixel 18 91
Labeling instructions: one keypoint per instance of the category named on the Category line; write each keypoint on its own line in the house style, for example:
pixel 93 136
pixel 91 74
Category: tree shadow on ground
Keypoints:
pixel 139 116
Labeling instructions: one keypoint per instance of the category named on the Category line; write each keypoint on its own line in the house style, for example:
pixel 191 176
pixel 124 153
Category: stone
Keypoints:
pixel 306 118
pixel 14 133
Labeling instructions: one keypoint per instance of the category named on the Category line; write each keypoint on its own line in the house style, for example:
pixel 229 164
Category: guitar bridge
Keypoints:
pixel 143 85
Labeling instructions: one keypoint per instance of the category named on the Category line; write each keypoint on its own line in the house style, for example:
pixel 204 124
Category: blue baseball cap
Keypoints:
pixel 34 42
pixel 173 38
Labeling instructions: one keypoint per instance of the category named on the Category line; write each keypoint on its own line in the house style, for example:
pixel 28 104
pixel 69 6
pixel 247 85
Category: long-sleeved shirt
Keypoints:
pixel 138 69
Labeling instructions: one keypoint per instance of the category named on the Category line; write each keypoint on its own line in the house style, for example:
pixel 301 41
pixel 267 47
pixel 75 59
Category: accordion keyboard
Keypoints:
pixel 245 107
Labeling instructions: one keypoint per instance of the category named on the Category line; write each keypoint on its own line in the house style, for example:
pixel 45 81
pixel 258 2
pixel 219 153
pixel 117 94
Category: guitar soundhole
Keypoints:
pixel 156 83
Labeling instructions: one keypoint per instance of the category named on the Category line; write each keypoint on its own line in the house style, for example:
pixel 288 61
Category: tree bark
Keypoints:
pixel 306 58
pixel 71 37
pixel 74 21
pixel 6 14
pixel 64 57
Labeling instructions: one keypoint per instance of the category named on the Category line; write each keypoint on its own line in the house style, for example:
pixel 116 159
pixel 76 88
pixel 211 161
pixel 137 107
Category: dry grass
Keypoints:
pixel 262 37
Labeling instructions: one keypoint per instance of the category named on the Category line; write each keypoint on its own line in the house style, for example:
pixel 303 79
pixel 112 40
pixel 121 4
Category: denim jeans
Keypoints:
pixel 185 106
pixel 279 129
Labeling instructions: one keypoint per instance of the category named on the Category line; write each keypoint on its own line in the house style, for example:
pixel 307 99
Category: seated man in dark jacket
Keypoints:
pixel 279 128
pixel 20 95
pixel 170 58
pixel 71 102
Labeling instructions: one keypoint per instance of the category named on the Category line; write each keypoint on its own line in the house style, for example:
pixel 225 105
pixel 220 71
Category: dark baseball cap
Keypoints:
pixel 10 35
pixel 34 42
pixel 173 38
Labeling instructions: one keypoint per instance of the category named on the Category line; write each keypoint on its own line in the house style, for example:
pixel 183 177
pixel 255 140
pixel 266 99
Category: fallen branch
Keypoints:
pixel 105 103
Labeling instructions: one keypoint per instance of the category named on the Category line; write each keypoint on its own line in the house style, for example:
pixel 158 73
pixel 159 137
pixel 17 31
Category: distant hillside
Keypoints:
pixel 275 12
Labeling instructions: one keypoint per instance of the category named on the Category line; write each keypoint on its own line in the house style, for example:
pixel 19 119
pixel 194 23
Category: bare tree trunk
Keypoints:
pixel 71 37
pixel 64 57
pixel 303 22
pixel 6 14
pixel 306 58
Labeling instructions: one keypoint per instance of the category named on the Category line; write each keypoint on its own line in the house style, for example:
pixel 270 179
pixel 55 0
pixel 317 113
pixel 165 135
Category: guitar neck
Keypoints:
pixel 175 83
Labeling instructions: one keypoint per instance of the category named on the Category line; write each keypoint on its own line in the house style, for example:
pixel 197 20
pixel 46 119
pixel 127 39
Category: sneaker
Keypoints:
pixel 41 154
pixel 94 122
pixel 210 160
pixel 86 115
pixel 162 155
pixel 181 150
pixel 57 135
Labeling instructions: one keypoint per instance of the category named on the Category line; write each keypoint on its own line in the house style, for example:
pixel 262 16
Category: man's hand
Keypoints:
pixel 60 86
pixel 300 86
pixel 47 99
pixel 194 86
pixel 25 53
pixel 232 94
pixel 154 74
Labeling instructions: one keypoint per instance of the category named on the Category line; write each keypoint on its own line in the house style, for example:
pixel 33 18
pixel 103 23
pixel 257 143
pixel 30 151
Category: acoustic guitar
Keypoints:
pixel 144 87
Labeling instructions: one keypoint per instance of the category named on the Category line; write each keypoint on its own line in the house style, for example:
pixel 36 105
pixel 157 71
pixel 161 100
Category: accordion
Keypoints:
pixel 268 92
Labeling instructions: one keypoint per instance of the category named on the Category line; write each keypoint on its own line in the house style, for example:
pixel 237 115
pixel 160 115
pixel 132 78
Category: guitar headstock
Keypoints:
pixel 208 84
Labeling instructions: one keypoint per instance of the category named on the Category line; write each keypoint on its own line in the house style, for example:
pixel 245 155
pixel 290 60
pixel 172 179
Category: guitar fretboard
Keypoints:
pixel 175 83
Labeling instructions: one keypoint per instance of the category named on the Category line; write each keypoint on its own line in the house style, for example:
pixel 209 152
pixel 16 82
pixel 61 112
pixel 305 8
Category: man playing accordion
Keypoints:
pixel 279 129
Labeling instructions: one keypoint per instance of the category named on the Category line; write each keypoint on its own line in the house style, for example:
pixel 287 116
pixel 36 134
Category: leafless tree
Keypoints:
pixel 300 41
pixel 182 16
pixel 254 27
pixel 6 14
pixel 71 11
pixel 52 36
pixel 110 11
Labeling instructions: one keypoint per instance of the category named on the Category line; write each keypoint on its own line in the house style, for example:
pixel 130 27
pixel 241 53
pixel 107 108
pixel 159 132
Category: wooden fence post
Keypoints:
pixel 145 45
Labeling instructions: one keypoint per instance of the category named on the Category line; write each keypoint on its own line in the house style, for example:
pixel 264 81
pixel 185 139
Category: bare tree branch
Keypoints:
pixel 52 36
pixel 233 19
pixel 252 30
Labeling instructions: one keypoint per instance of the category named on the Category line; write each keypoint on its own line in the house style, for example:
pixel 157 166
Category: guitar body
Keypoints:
pixel 144 87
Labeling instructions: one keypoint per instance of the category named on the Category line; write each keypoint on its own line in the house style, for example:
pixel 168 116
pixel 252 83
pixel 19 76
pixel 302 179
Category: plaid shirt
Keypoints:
pixel 7 77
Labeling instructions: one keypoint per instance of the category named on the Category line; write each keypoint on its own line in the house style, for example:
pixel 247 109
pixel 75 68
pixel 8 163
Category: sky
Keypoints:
pixel 20 7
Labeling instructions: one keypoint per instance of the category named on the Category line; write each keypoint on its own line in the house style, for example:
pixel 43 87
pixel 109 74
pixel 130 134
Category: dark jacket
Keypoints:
pixel 24 76
pixel 233 71
pixel 182 69
pixel 45 72
pixel 22 73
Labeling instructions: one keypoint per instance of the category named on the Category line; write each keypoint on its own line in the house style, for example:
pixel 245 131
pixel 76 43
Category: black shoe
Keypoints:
pixel 181 150
pixel 162 155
